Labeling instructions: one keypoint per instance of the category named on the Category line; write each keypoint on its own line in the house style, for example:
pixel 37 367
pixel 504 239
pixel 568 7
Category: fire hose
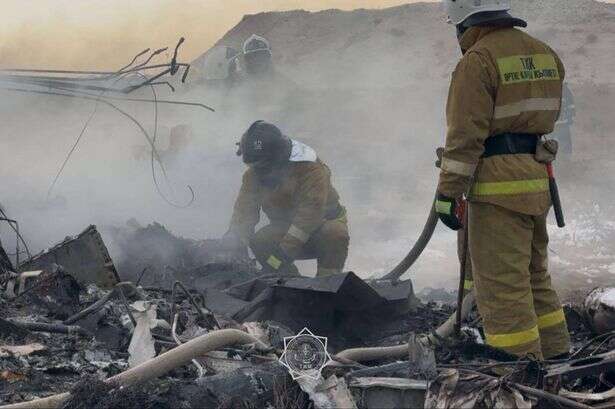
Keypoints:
pixel 464 304
pixel 416 250
pixel 428 229
pixel 399 351
pixel 158 366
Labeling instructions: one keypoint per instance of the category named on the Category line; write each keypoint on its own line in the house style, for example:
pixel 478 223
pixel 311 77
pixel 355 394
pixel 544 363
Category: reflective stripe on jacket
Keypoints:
pixel 506 81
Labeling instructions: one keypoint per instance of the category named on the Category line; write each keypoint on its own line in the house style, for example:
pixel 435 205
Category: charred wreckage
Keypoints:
pixel 203 327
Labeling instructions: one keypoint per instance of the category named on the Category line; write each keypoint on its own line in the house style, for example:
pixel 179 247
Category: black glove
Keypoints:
pixel 450 211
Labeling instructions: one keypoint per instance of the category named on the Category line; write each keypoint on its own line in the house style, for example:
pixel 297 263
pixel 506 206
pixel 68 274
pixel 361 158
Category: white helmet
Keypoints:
pixel 459 10
pixel 256 43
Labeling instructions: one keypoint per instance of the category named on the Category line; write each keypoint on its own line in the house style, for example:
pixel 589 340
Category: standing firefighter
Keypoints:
pixel 293 187
pixel 505 94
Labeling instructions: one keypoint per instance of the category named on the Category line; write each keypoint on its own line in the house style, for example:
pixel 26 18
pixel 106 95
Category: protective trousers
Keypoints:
pixel 521 312
pixel 328 245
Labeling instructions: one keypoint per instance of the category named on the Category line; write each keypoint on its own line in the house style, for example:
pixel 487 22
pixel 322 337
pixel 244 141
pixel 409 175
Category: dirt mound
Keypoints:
pixel 565 11
pixel 411 44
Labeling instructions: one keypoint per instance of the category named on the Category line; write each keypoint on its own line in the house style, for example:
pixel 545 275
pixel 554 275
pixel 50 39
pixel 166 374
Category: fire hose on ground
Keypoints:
pixel 399 351
pixel 158 366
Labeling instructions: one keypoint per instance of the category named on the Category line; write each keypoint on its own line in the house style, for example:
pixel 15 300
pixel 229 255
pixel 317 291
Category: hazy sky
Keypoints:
pixel 106 33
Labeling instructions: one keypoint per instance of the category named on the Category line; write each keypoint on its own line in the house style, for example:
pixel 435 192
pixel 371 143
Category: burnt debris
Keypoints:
pixel 184 323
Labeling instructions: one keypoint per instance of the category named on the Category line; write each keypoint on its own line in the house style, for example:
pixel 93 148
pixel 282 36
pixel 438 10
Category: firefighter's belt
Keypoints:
pixel 510 144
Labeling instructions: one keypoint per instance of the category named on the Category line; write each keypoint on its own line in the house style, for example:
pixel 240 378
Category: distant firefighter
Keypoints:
pixel 287 180
pixel 257 55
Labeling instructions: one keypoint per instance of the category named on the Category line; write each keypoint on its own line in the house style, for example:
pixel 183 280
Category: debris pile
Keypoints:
pixel 85 254
pixel 600 310
pixel 153 256
pixel 68 339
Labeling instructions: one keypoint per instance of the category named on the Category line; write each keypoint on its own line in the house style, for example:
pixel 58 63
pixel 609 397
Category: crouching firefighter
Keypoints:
pixel 293 187
pixel 505 94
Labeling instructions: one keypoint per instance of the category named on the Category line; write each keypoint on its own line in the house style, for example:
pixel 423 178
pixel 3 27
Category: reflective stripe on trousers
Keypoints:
pixel 551 319
pixel 297 233
pixel 513 339
pixel 524 337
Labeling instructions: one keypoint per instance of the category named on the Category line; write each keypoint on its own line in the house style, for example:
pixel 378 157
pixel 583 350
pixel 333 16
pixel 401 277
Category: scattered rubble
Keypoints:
pixel 84 255
pixel 66 342
pixel 20 350
pixel 155 257
pixel 343 306
pixel 453 389
pixel 173 322
pixel 388 393
pixel 600 310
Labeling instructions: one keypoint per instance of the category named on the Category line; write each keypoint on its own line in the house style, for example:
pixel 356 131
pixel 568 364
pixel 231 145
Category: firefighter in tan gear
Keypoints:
pixel 293 187
pixel 505 94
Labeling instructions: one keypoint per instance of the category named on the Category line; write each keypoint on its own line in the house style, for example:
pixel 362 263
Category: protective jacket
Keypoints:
pixel 506 82
pixel 303 200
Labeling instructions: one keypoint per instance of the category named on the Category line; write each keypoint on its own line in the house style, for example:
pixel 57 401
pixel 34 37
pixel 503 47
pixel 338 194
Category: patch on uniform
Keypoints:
pixel 528 68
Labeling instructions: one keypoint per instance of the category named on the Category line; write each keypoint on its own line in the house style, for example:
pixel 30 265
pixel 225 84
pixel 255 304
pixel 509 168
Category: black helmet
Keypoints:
pixel 263 144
